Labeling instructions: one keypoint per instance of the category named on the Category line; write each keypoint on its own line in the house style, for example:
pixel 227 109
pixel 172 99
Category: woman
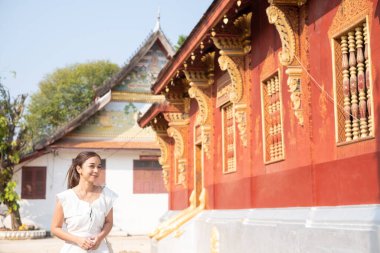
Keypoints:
pixel 85 208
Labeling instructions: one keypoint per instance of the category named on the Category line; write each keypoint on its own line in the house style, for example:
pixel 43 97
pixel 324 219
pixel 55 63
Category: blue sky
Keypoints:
pixel 39 36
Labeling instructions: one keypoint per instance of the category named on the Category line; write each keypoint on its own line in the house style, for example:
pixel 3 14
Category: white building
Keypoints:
pixel 109 128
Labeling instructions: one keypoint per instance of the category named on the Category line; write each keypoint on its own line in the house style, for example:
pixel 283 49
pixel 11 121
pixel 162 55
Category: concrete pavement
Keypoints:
pixel 120 244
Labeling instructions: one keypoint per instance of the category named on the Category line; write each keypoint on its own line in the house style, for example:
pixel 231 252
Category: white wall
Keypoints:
pixel 339 229
pixel 133 213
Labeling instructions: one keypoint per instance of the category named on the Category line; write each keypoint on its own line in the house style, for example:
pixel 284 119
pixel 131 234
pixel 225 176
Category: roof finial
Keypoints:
pixel 157 26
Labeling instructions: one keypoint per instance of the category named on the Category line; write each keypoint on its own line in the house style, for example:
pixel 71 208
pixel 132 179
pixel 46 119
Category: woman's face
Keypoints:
pixel 90 169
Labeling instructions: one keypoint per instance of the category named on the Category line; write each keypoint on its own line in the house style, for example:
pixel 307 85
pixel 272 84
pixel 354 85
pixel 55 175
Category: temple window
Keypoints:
pixel 228 139
pixel 273 128
pixel 353 85
pixel 147 176
pixel 33 183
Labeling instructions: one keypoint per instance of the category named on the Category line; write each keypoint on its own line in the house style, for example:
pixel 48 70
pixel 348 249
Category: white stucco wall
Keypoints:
pixel 335 229
pixel 133 213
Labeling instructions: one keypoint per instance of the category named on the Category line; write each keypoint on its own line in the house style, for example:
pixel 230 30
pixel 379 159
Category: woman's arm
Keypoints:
pixel 108 223
pixel 56 229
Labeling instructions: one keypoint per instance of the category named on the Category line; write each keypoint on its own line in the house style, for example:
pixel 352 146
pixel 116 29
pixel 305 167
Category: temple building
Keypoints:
pixel 268 133
pixel 108 126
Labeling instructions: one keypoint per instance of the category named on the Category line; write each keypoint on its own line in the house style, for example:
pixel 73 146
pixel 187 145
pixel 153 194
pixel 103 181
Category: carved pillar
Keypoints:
pixel 159 126
pixel 353 86
pixel 346 89
pixel 178 130
pixel 290 43
pixel 361 82
pixel 368 80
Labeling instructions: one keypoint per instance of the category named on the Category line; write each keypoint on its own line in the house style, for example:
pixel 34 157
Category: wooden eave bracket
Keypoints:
pixel 236 44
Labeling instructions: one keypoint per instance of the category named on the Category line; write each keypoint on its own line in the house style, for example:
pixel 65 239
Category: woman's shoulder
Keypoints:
pixel 109 193
pixel 64 194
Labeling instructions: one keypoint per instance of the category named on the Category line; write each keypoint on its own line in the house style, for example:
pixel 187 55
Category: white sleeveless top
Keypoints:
pixel 85 219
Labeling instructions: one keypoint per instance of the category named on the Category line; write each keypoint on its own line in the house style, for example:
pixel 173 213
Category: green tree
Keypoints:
pixel 180 41
pixel 64 94
pixel 13 140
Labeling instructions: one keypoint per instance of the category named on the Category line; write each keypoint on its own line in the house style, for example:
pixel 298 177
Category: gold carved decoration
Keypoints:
pixel 181 170
pixel 209 60
pixel 241 120
pixel 243 23
pixel 236 45
pixel 163 161
pixel 174 224
pixel 136 97
pixel 202 104
pixel 179 144
pixel 215 237
pixel 294 84
pixel 206 140
pixel 202 78
pixel 164 150
pixel 278 18
pixel 349 13
pixel 198 78
pixel 288 2
pixel 176 119
pixel 165 176
pixel 179 148
pixel 226 63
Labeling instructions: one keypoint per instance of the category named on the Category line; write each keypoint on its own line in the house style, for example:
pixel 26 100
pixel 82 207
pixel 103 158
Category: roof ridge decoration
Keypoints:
pixel 139 53
pixel 158 25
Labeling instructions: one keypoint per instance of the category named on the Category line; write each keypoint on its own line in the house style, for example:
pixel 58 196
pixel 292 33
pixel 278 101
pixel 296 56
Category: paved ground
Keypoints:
pixel 120 244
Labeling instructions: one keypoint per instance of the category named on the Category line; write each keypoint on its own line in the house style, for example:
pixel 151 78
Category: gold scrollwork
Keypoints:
pixel 215 237
pixel 177 119
pixel 181 170
pixel 165 176
pixel 226 63
pixel 202 104
pixel 243 23
pixel 209 59
pixel 164 151
pixel 349 13
pixel 278 18
pixel 206 140
pixel 241 120
pixel 294 84
pixel 163 161
pixel 178 139
pixel 197 78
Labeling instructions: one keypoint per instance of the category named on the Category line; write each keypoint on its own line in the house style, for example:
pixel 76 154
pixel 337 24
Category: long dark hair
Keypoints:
pixel 72 174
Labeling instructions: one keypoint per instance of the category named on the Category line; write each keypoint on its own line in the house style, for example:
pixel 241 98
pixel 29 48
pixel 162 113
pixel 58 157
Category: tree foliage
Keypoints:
pixel 180 41
pixel 13 140
pixel 65 93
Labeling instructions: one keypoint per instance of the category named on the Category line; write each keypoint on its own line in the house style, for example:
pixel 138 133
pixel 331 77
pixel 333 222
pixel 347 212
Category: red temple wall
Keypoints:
pixel 315 172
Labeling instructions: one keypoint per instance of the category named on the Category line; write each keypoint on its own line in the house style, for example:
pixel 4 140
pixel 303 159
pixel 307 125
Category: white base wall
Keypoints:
pixel 134 214
pixel 351 229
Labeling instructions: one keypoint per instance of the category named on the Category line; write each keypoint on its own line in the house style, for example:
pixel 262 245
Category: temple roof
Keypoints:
pixel 152 38
pixel 103 95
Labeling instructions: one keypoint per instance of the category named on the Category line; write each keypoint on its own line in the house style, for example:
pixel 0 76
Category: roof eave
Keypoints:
pixel 208 20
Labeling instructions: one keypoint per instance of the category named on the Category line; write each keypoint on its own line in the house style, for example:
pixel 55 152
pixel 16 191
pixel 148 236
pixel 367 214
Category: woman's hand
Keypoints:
pixel 85 243
pixel 96 242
